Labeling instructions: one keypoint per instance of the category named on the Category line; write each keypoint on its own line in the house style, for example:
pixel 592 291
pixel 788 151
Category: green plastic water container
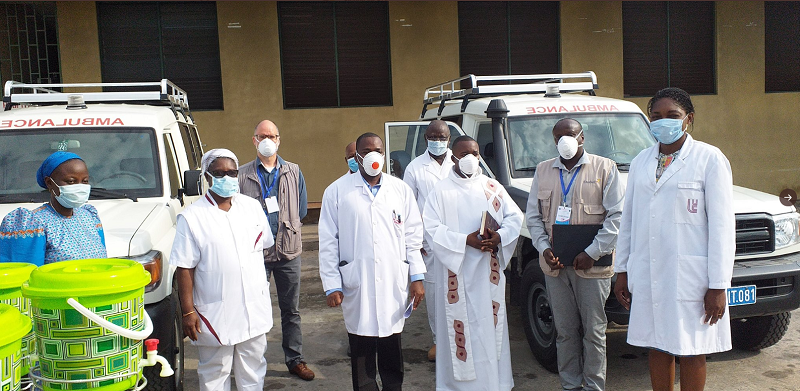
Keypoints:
pixel 74 351
pixel 12 275
pixel 15 326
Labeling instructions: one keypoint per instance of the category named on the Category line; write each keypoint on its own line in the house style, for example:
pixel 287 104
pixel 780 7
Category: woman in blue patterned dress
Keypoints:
pixel 63 229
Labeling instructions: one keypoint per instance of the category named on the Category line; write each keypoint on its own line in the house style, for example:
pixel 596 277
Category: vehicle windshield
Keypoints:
pixel 619 137
pixel 122 162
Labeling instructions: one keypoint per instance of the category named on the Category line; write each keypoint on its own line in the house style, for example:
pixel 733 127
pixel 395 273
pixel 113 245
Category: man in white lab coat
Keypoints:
pixel 221 279
pixel 370 236
pixel 473 353
pixel 421 175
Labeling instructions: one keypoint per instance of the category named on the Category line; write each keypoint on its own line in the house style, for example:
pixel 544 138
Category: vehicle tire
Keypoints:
pixel 538 318
pixel 759 332
pixel 172 350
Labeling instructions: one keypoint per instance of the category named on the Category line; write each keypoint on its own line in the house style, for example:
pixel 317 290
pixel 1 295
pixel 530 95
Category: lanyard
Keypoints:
pixel 565 190
pixel 265 191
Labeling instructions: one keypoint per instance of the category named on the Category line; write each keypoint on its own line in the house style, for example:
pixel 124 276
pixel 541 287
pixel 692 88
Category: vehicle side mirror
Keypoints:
pixel 191 182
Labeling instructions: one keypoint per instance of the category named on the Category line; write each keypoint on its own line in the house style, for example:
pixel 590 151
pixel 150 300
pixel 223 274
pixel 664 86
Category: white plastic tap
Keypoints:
pixel 153 358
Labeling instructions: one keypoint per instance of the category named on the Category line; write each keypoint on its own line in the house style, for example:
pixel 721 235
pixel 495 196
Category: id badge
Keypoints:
pixel 272 204
pixel 562 215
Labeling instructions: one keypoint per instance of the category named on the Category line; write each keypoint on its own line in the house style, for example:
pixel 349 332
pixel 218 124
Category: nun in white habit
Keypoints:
pixel 224 291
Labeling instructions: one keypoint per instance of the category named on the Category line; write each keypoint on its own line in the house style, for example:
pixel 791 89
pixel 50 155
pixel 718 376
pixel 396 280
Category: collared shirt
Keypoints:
pixel 373 189
pixel 613 194
pixel 269 176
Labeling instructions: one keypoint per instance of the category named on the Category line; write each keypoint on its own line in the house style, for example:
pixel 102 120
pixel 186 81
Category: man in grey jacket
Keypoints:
pixel 281 189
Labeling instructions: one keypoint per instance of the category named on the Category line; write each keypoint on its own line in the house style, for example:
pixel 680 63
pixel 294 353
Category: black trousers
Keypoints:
pixel 389 354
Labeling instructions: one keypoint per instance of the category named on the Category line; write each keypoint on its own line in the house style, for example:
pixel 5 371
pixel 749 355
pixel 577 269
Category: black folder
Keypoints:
pixel 571 240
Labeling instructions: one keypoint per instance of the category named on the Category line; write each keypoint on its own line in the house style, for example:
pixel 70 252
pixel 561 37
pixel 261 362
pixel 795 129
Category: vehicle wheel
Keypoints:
pixel 538 318
pixel 759 332
pixel 172 350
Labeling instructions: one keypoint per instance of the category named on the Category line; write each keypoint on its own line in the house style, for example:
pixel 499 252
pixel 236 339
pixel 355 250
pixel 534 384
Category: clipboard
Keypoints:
pixel 571 240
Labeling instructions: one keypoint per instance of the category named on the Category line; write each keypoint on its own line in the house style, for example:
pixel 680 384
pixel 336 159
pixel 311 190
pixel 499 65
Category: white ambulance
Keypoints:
pixel 142 150
pixel 512 118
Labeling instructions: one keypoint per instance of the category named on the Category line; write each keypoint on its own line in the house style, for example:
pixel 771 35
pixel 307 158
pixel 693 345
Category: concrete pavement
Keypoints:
pixel 325 349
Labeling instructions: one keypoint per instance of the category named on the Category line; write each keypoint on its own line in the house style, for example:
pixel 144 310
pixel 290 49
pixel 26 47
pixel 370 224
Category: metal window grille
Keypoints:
pixel 29 42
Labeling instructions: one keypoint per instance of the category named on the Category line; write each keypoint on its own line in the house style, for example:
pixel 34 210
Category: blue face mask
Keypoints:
pixel 225 187
pixel 667 130
pixel 437 148
pixel 352 164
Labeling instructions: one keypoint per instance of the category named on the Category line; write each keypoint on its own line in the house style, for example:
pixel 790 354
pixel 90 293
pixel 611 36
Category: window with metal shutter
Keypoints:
pixel 781 46
pixel 668 44
pixel 335 54
pixel 501 38
pixel 151 41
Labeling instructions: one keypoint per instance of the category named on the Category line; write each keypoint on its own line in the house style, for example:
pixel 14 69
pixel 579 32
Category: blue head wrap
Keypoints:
pixel 51 163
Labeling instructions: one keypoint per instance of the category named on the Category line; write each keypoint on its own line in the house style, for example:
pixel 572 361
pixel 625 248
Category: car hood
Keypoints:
pixel 120 217
pixel 745 200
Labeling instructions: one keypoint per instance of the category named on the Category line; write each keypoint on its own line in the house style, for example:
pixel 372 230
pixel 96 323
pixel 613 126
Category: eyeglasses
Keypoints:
pixel 261 137
pixel 220 174
pixel 436 138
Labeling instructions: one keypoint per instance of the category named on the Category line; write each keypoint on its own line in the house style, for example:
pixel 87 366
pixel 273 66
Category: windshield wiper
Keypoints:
pixel 623 166
pixel 107 194
pixel 525 169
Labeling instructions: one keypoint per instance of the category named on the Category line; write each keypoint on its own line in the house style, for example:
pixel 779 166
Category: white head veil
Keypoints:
pixel 214 154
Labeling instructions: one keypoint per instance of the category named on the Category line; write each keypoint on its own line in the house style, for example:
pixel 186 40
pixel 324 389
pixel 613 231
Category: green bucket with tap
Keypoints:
pixel 15 326
pixel 12 276
pixel 89 320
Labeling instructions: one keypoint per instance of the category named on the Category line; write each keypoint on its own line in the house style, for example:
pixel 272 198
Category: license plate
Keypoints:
pixel 741 295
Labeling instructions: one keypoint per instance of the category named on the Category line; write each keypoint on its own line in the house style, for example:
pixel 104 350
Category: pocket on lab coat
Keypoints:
pixel 215 316
pixel 692 277
pixel 258 239
pixel 402 278
pixel 350 275
pixel 690 206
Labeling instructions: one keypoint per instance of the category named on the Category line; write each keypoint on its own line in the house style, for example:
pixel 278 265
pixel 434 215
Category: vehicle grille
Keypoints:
pixel 770 287
pixel 755 234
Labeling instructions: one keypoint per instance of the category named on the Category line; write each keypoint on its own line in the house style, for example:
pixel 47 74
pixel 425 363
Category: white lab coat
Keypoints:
pixel 421 175
pixel 424 172
pixel 379 239
pixel 677 240
pixel 231 291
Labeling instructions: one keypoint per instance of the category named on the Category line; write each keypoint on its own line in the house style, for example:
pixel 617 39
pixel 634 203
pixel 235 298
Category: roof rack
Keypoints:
pixel 451 90
pixel 164 91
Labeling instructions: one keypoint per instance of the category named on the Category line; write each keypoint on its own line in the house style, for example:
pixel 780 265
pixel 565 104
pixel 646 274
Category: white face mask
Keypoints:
pixel 372 163
pixel 468 165
pixel 568 146
pixel 267 147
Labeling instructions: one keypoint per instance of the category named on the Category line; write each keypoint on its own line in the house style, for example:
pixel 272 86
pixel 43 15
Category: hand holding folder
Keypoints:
pixel 571 240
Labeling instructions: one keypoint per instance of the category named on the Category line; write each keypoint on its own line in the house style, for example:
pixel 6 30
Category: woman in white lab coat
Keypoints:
pixel 676 246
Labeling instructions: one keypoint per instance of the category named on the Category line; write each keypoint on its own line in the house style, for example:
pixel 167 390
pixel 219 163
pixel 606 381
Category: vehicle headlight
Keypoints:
pixel 787 230
pixel 151 261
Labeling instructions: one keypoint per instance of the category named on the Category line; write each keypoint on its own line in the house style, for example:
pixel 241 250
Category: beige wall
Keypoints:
pixel 315 138
pixel 757 131
pixel 78 42
pixel 591 40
